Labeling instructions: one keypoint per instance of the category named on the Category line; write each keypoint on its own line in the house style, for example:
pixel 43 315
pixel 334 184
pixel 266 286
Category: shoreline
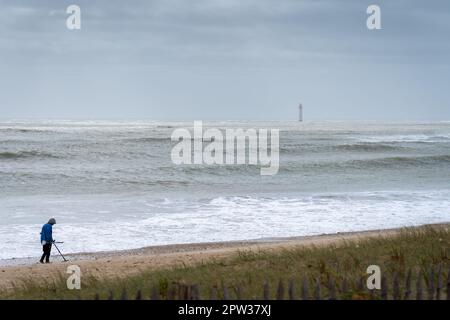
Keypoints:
pixel 196 246
pixel 114 264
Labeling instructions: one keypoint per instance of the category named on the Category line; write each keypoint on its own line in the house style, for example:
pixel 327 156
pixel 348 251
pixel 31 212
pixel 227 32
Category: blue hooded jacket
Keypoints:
pixel 46 233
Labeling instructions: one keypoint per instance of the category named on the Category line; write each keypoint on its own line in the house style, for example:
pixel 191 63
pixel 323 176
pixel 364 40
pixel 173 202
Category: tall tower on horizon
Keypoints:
pixel 300 112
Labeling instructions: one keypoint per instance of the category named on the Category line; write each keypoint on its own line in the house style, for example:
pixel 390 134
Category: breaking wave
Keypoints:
pixel 364 164
pixel 25 154
pixel 367 147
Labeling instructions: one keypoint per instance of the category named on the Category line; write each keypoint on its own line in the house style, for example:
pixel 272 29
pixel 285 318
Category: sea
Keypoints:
pixel 112 185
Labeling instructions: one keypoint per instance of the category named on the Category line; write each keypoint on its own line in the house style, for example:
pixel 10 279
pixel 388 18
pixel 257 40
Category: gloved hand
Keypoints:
pixel 44 242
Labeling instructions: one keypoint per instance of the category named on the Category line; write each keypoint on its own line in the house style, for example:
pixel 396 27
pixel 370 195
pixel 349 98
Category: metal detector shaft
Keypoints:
pixel 59 252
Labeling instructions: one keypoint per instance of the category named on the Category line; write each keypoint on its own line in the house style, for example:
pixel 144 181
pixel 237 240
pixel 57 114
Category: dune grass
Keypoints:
pixel 418 250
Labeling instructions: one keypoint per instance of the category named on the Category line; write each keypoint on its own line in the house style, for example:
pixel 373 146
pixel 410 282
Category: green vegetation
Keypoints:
pixel 245 273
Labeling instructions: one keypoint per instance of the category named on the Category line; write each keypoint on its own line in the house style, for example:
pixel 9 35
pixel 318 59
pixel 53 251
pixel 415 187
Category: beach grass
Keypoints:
pixel 244 273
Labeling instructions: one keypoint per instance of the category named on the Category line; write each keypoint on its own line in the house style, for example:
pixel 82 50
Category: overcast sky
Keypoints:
pixel 225 59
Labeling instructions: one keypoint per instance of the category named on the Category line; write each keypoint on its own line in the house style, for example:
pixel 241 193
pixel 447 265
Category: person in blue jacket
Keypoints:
pixel 47 240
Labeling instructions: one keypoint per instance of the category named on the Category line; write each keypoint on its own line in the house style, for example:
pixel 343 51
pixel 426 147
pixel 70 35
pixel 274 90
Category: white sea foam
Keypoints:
pixel 229 218
pixel 430 138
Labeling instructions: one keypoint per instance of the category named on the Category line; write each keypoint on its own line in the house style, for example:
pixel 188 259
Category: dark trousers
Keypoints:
pixel 47 248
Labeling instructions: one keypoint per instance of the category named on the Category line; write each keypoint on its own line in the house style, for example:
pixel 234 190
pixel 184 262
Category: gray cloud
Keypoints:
pixel 225 59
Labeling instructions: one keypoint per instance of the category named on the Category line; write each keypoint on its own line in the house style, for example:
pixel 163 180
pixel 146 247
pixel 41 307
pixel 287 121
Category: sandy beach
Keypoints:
pixel 114 264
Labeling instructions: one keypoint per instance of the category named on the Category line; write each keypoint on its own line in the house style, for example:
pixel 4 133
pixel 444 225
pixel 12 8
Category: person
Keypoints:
pixel 47 240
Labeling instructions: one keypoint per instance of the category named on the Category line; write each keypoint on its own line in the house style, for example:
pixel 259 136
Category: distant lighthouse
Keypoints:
pixel 300 113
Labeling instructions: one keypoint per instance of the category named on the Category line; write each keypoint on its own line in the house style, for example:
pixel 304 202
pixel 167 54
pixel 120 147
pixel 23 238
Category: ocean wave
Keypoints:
pixel 420 138
pixel 414 161
pixel 7 155
pixel 162 183
pixel 25 130
pixel 168 139
pixel 365 164
pixel 366 147
pixel 147 140
pixel 213 170
pixel 440 138
pixel 92 179
pixel 357 147
pixel 312 166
